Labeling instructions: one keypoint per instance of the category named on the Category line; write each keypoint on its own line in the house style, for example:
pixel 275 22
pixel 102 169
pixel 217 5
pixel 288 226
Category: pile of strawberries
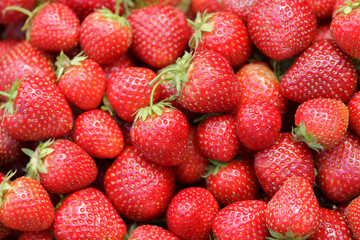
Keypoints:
pixel 179 120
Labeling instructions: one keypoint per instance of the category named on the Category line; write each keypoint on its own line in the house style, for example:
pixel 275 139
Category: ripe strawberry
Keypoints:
pixel 81 80
pixel 224 33
pixel 322 8
pixel 352 214
pixel 125 60
pixel 87 214
pixel 241 220
pixel 191 212
pixel 323 32
pixel 282 28
pixel 36 110
pixel 232 181
pixel 105 36
pixel 210 6
pixel 258 124
pixel 6 45
pixel 240 8
pixel 152 232
pixel 311 77
pixel 98 134
pixel 281 161
pixel 160 34
pixel 321 122
pixel 25 205
pixel 140 189
pixel 12 16
pixel 257 80
pixel 293 211
pixel 39 235
pixel 354 111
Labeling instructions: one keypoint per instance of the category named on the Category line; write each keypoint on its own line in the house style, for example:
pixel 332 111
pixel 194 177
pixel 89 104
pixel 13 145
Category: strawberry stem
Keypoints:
pixel 18 9
pixel 5 94
pixel 4 185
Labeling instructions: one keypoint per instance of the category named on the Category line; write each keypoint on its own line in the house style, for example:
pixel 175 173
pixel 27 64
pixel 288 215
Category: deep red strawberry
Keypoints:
pixel 352 214
pixel 240 8
pixel 191 212
pixel 14 16
pixel 241 220
pixel 151 232
pixel 282 29
pixel 87 214
pixel 39 235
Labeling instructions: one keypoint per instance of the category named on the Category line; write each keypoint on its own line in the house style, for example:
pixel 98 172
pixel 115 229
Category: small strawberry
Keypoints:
pixel 352 214
pixel 282 29
pixel 241 220
pixel 240 8
pixel 151 232
pixel 39 235
pixel 11 16
pixel 87 214
pixel 191 212
pixel 140 189
pixel 293 212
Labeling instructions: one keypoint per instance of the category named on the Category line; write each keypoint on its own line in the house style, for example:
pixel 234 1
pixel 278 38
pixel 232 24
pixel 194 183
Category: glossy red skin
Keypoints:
pixel 241 220
pixel 14 16
pixel 281 161
pixel 322 71
pixel 27 206
pixel 229 37
pixel 235 182
pixel 282 29
pixel 294 207
pixel 151 232
pixel 352 214
pixel 240 8
pixel 40 235
pixel 39 116
pixel 98 134
pixel 354 113
pixel 22 60
pixel 87 214
pixel 123 61
pixel 329 132
pixel 322 8
pixel 191 212
pixel 139 189
pixel 201 6
pixel 104 39
pixel 160 34
pixel 212 85
pixel 338 172
pixel 162 139
pixel 128 91
pixel 6 45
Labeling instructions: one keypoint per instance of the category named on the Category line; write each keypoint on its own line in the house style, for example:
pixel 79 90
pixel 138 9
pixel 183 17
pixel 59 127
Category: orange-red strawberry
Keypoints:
pixel 241 8
pixel 11 16
pixel 151 232
pixel 37 235
pixel 352 214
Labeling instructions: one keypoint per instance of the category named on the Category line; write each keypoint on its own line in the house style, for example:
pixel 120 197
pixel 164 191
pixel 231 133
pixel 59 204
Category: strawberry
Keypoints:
pixel 39 235
pixel 160 34
pixel 25 204
pixel 282 28
pixel 321 122
pixel 257 80
pixel 241 220
pixel 354 111
pixel 125 60
pixel 191 212
pixel 140 189
pixel 151 232
pixel 352 214
pixel 98 134
pixel 258 123
pixel 210 6
pixel 36 110
pixel 224 33
pixel 332 226
pixel 323 32
pixel 338 170
pixel 322 8
pixel 6 45
pixel 87 214
pixel 281 161
pixel 81 80
pixel 240 8
pixel 311 77
pixel 11 16
pixel 293 211
pixel 232 181
pixel 105 36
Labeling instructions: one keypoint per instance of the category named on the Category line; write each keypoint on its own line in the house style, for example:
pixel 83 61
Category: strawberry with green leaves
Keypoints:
pixel 352 213
pixel 152 232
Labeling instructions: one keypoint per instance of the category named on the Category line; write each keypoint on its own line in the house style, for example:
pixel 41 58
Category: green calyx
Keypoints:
pixel 145 112
pixel 288 236
pixel 5 185
pixel 107 13
pixel 214 168
pixel 63 63
pixel 300 134
pixel 36 165
pixel 11 95
pixel 200 25
pixel 348 7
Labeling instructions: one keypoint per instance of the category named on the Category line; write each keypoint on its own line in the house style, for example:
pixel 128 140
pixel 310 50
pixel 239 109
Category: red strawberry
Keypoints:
pixel 98 134
pixel 210 6
pixel 293 211
pixel 224 33
pixel 40 235
pixel 258 124
pixel 151 232
pixel 25 205
pixel 105 36
pixel 281 161
pixel 191 212
pixel 140 189
pixel 352 214
pixel 12 16
pixel 123 61
pixel 87 214
pixel 321 122
pixel 323 32
pixel 354 111
pixel 241 220
pixel 160 34
pixel 241 8
pixel 36 110
pixel 322 8
pixel 232 181
pixel 282 28
pixel 311 76
pixel 81 80
pixel 6 45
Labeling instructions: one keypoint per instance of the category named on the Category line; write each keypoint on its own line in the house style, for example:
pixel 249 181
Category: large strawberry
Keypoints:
pixel 140 189
pixel 310 76
pixel 12 16
pixel 352 213
pixel 87 214
pixel 36 110
pixel 282 28
pixel 152 232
